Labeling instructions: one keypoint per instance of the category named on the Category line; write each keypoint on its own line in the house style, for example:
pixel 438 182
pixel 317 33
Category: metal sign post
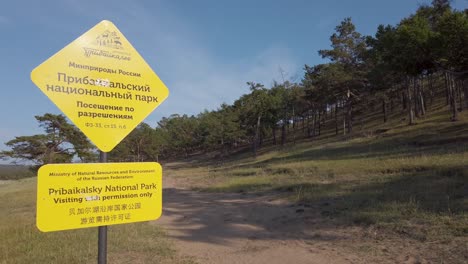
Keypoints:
pixel 102 230
pixel 104 86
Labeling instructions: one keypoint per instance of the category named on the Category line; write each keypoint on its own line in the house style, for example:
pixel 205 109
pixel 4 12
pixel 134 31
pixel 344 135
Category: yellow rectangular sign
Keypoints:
pixel 71 196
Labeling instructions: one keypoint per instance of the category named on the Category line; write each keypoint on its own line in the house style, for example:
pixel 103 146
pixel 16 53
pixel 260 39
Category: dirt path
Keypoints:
pixel 246 228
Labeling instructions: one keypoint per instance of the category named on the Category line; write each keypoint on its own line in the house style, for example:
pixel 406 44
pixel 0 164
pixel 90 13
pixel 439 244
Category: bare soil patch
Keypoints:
pixel 263 228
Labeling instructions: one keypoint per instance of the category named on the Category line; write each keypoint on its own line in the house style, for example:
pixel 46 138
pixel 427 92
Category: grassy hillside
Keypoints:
pixel 408 180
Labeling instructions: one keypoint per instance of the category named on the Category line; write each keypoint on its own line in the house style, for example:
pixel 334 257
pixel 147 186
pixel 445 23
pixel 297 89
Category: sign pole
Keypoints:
pixel 101 57
pixel 102 230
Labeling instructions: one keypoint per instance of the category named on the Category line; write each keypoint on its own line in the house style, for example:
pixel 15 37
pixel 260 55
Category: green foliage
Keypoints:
pixel 323 83
pixel 347 46
pixel 60 144
pixel 220 129
pixel 452 40
pixel 413 40
pixel 142 144
pixel 182 132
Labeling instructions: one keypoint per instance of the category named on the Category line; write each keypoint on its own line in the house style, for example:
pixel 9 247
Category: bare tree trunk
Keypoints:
pixel 392 105
pixel 344 119
pixel 349 115
pixel 308 124
pixel 452 96
pixel 336 119
pixel 422 103
pixel 319 123
pixel 344 124
pixel 256 137
pixel 424 96
pixel 459 85
pixel 465 92
pixel 409 102
pixel 283 133
pixel 447 89
pixel 294 131
pixel 384 110
pixel 314 123
pixel 303 124
pixel 404 101
pixel 273 131
pixel 260 139
pixel 416 97
pixel 431 89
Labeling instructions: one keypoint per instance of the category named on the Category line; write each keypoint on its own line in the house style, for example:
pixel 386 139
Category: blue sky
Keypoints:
pixel 204 51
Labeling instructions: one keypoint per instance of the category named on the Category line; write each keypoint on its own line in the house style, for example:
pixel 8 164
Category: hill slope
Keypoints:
pixel 408 182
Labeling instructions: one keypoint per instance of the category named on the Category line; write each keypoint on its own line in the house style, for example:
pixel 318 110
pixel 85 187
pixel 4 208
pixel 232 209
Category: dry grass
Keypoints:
pixel 22 242
pixel 408 179
pixel 14 172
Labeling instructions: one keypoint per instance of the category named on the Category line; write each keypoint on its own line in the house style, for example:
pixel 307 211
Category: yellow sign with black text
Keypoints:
pixel 71 196
pixel 102 84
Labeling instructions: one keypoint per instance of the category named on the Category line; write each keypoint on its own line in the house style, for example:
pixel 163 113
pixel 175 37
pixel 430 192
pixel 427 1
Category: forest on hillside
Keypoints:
pixel 403 68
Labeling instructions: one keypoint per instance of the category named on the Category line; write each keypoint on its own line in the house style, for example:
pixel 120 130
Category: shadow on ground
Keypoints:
pixel 424 194
pixel 424 211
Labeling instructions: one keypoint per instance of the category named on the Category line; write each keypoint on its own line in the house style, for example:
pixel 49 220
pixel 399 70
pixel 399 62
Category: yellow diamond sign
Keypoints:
pixel 102 84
